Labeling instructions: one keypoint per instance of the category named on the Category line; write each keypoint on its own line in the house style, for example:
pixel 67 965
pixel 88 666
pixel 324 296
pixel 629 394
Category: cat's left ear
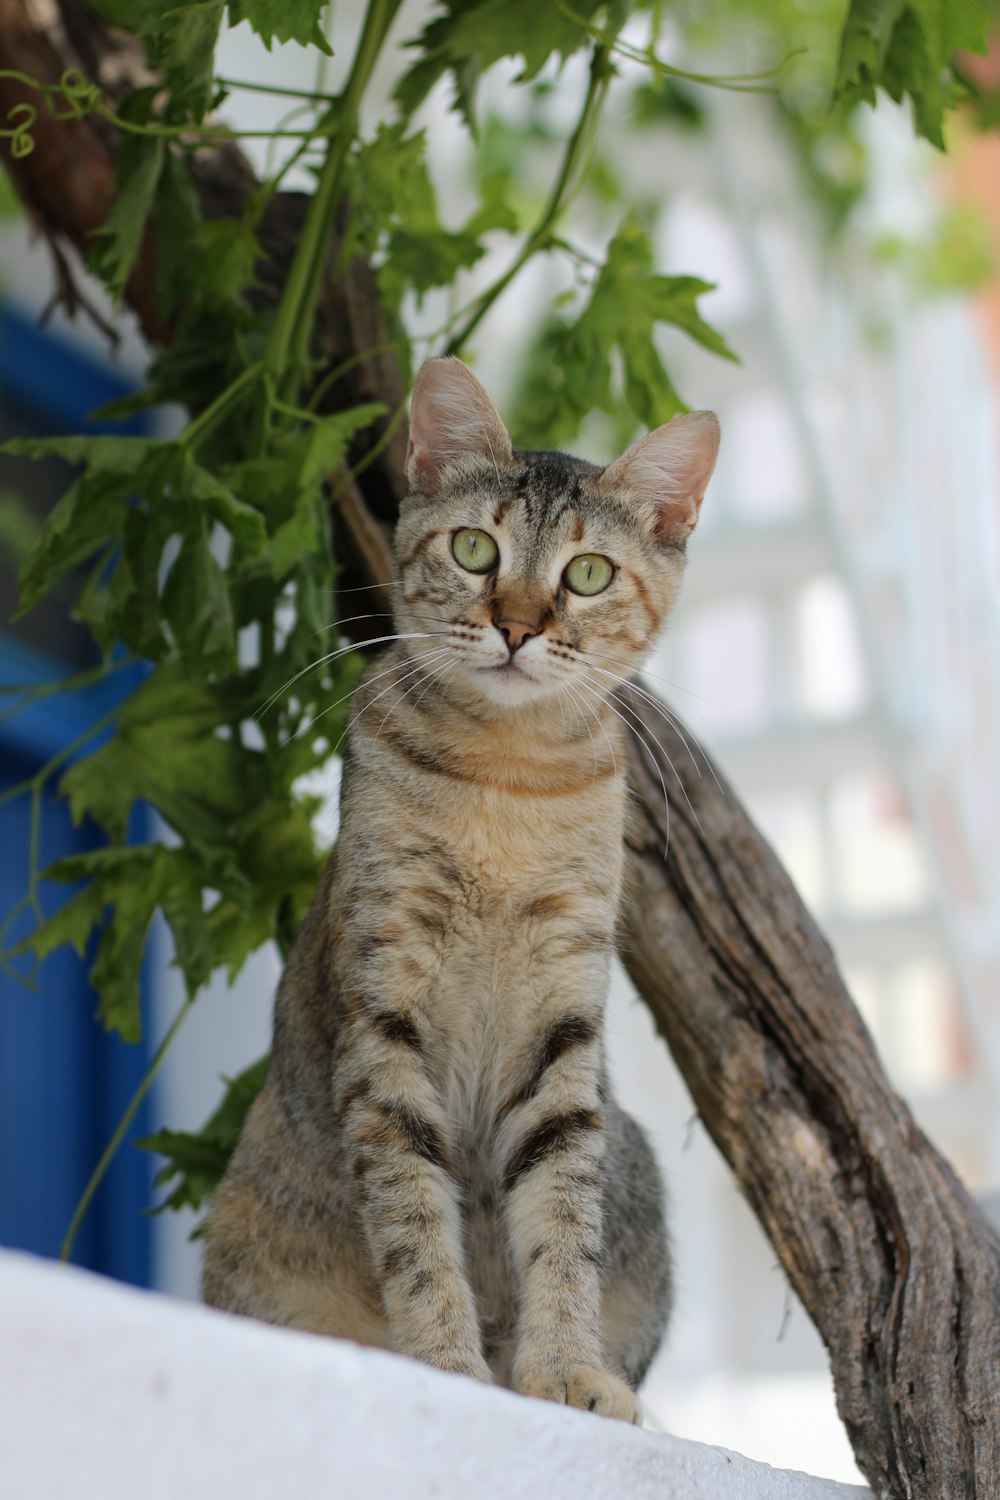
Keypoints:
pixel 667 472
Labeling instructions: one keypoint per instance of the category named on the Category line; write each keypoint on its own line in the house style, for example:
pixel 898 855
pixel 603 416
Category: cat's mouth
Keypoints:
pixel 509 682
pixel 509 668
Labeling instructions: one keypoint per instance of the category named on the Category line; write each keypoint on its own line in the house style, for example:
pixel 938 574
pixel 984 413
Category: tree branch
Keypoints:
pixel 893 1260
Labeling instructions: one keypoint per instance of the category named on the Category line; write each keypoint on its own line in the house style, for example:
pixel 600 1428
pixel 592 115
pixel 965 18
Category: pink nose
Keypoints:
pixel 515 633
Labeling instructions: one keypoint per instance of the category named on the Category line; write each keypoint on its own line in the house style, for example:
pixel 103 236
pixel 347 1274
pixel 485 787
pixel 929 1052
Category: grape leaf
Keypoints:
pixel 198 1159
pixel 472 35
pixel 283 21
pixel 134 882
pixel 180 43
pixel 396 203
pixel 167 751
pixel 119 239
pixel 573 367
pixel 197 606
pixel 905 47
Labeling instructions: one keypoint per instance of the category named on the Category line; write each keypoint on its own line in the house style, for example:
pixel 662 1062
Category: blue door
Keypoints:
pixel 64 1083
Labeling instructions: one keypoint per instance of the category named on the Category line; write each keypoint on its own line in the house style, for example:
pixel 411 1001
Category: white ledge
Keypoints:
pixel 110 1392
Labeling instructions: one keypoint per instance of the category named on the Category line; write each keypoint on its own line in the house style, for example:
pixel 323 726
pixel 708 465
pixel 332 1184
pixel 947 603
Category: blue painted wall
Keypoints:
pixel 64 1083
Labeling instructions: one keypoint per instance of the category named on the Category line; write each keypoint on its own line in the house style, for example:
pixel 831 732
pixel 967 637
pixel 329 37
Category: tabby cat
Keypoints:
pixel 436 1164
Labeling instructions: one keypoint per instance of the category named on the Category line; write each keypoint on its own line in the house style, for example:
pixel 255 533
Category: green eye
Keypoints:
pixel 588 574
pixel 475 551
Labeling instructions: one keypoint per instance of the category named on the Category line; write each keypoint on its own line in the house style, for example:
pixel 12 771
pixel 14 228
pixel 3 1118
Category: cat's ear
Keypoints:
pixel 451 417
pixel 667 472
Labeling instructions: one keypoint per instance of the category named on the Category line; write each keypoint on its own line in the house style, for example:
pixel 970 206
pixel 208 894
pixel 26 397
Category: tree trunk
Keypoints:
pixel 892 1259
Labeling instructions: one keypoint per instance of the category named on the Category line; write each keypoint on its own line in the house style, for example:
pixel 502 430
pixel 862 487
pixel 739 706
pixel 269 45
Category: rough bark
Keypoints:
pixel 892 1259
pixel 894 1262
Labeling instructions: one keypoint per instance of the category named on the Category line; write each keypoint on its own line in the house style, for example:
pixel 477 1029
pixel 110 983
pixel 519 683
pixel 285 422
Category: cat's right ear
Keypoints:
pixel 451 417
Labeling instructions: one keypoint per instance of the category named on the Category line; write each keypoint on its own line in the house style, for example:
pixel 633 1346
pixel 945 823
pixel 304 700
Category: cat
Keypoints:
pixel 436 1163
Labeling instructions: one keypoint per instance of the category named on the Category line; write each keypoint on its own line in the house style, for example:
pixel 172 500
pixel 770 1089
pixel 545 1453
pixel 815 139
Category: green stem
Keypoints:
pixel 288 346
pixel 738 83
pixel 210 418
pixel 567 185
pixel 332 376
pixel 98 1174
pixel 31 692
pixel 375 451
pixel 40 777
pixel 270 88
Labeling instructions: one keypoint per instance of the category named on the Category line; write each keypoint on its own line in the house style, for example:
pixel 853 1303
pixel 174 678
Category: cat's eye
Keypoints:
pixel 473 550
pixel 588 574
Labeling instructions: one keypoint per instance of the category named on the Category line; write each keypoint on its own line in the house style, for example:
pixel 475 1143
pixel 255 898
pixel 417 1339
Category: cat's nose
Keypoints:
pixel 515 633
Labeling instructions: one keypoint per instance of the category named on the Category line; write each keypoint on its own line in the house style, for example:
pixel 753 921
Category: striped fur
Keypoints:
pixel 437 1164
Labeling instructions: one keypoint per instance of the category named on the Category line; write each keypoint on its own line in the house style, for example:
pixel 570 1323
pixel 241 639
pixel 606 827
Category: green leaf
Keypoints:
pixel 199 1159
pixel 168 750
pixel 905 47
pixel 118 242
pixel 72 923
pixel 242 521
pixel 135 490
pixel 176 228
pixel 317 455
pixel 180 43
pixel 185 50
pixel 197 606
pixel 227 255
pixel 495 210
pixel 396 209
pixel 472 35
pixel 134 882
pixel 328 440
pixel 283 21
pixel 573 367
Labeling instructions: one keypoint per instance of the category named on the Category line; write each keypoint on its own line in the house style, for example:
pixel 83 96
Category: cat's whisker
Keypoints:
pixel 433 673
pixel 668 713
pixel 647 697
pixel 435 676
pixel 419 671
pixel 661 708
pixel 378 614
pixel 636 722
pixel 652 759
pixel 361 588
pixel 415 635
pixel 570 692
pixel 356 719
pixel 636 726
pixel 655 765
pixel 577 690
pixel 396 667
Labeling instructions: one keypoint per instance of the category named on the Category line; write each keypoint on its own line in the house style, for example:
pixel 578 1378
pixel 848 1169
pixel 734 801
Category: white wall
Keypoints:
pixel 111 1392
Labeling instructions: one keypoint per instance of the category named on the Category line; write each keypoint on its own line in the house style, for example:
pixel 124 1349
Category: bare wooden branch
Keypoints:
pixel 893 1260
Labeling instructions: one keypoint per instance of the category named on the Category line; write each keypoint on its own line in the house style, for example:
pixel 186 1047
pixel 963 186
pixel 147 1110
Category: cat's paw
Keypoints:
pixel 590 1390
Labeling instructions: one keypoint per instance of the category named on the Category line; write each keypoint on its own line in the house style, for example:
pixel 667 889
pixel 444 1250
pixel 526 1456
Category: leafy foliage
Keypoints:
pixel 198 1159
pixel 573 369
pixel 905 47
pixel 472 35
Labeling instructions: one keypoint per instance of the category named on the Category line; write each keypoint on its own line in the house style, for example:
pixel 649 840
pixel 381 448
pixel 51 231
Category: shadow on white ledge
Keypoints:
pixel 126 1395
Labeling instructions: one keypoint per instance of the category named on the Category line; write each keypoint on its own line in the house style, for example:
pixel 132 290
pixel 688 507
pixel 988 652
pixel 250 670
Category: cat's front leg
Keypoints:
pixel 552 1142
pixel 397 1138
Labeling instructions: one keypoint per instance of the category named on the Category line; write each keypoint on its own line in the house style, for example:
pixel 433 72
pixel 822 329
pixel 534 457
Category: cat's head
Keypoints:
pixel 536 573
